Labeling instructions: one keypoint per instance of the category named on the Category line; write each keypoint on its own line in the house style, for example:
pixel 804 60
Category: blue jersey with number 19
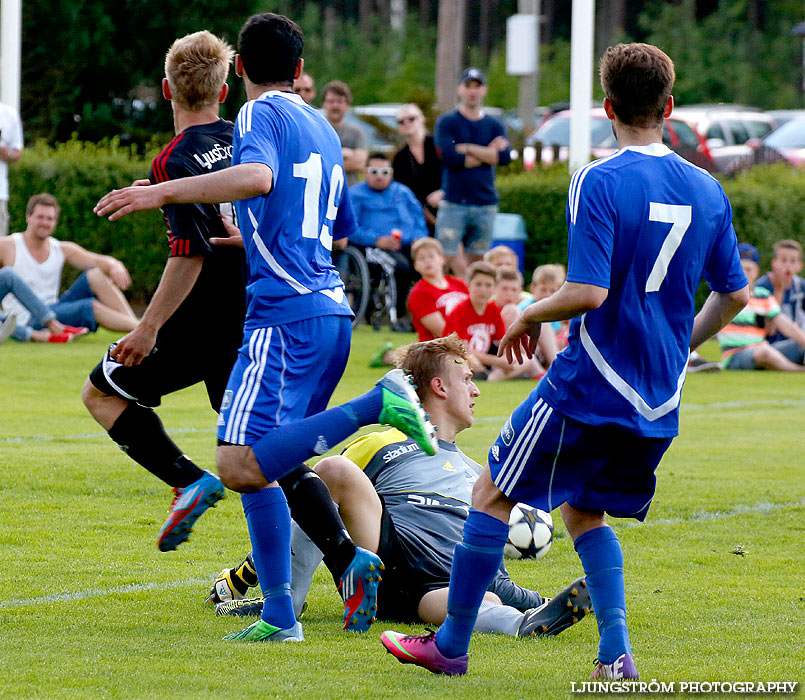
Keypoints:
pixel 288 233
pixel 644 224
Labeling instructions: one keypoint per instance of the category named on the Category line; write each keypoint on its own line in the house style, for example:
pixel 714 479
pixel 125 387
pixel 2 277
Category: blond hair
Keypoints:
pixel 549 274
pixel 429 359
pixel 423 244
pixel 196 67
pixel 410 107
pixel 498 251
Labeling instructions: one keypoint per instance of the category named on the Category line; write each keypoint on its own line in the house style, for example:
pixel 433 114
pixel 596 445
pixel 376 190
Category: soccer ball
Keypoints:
pixel 530 533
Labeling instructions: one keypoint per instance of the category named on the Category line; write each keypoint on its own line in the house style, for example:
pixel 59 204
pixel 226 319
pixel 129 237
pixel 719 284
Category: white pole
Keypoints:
pixel 581 81
pixel 10 52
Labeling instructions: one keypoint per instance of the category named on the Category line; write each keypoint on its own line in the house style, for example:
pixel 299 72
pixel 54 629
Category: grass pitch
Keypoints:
pixel 90 609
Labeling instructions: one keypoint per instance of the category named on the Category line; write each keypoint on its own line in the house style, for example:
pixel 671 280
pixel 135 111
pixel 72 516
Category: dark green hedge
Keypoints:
pixel 768 204
pixel 78 174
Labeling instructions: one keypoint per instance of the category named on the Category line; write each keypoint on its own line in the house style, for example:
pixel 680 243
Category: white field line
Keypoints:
pixel 100 592
pixel 762 508
pixel 706 516
pixel 685 408
pixel 91 436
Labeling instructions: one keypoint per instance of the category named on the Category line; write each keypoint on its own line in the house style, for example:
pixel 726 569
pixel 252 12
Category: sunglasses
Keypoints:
pixel 406 120
pixel 379 171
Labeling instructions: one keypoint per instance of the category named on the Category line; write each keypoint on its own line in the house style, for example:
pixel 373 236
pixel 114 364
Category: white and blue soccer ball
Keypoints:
pixel 530 533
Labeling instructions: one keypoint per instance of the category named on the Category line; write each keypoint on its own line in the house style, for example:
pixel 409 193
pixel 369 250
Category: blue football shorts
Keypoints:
pixel 544 458
pixel 283 373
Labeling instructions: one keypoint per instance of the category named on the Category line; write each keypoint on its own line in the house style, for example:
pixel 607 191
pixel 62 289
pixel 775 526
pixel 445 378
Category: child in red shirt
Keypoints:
pixel 477 320
pixel 436 294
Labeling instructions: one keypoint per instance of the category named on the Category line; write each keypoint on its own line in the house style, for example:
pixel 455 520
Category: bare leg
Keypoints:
pixel 112 319
pixel 433 606
pixel 103 408
pixel 113 305
pixel 770 358
pixel 357 500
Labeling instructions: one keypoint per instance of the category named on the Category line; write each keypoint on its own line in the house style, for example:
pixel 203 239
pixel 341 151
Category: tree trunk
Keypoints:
pixel 449 51
pixel 486 29
pixel 329 28
pixel 546 24
pixel 425 12
pixel 366 11
pixel 610 17
pixel 384 10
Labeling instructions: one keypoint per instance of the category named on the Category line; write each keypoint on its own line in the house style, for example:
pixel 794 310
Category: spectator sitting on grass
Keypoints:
pixel 501 256
pixel 41 315
pixel 508 292
pixel 94 299
pixel 787 286
pixel 477 320
pixel 743 341
pixel 546 280
pixel 434 297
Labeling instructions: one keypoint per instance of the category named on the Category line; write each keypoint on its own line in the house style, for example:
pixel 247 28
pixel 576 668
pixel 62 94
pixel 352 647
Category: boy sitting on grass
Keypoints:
pixel 436 294
pixel 743 341
pixel 787 287
pixel 477 320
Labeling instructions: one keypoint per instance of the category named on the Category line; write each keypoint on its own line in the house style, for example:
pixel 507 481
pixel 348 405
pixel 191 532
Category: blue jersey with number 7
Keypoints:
pixel 646 225
pixel 288 233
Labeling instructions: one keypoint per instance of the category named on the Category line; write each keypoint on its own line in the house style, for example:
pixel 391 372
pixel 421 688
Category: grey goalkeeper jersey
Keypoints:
pixel 428 499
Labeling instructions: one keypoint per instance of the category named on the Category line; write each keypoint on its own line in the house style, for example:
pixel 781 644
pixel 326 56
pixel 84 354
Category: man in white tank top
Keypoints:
pixel 95 298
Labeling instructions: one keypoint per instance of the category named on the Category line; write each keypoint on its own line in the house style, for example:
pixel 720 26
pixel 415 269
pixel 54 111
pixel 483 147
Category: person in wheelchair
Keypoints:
pixel 389 219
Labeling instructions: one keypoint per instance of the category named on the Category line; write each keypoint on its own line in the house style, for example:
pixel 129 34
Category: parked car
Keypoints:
pixel 379 137
pixel 677 134
pixel 726 130
pixel 384 114
pixel 789 141
pixel 781 116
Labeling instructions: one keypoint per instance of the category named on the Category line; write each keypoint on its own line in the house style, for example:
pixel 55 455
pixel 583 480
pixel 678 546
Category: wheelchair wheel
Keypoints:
pixel 354 273
pixel 384 302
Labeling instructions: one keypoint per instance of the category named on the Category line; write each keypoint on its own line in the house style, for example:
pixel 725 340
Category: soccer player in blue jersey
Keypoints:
pixel 287 179
pixel 644 225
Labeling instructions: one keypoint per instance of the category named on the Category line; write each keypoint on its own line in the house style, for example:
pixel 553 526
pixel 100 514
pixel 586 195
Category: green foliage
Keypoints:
pixel 539 197
pixel 84 60
pixel 78 175
pixel 722 58
pixel 767 203
pixel 379 67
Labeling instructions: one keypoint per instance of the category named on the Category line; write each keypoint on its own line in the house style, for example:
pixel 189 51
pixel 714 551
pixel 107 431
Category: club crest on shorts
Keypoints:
pixel 507 433
pixel 226 402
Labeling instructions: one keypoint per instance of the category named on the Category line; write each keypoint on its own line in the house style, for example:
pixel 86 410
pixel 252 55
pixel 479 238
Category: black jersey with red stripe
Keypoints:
pixel 216 304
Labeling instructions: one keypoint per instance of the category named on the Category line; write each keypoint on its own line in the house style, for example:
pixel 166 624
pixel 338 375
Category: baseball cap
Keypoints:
pixel 472 74
pixel 748 252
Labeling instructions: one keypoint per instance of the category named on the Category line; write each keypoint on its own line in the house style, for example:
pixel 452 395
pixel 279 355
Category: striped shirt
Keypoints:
pixel 749 326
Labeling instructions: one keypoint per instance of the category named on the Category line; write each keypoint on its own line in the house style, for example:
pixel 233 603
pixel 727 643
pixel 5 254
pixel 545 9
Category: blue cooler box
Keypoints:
pixel 510 231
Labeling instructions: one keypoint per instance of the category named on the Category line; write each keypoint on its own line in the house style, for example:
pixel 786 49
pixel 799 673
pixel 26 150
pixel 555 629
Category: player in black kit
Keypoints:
pixel 193 326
